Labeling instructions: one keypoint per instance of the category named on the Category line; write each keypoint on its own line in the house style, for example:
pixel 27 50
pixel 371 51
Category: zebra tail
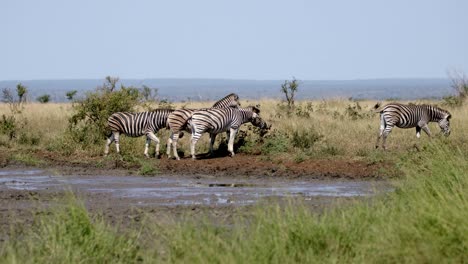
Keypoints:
pixel 107 132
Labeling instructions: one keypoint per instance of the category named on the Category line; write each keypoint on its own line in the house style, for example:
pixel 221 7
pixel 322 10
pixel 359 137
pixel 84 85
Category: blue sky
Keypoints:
pixel 246 39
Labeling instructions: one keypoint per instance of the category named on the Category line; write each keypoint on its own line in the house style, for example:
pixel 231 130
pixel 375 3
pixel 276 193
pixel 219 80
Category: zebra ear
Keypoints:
pixel 449 116
pixel 255 109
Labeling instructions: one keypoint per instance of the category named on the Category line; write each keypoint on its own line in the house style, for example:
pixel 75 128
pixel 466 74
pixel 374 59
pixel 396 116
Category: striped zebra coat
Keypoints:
pixel 136 125
pixel 409 116
pixel 217 120
pixel 178 121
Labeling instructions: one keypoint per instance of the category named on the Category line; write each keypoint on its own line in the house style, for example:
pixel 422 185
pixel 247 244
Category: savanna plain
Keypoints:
pixel 421 217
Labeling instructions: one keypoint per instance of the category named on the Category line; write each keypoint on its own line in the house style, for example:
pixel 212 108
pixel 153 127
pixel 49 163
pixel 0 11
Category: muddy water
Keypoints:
pixel 170 190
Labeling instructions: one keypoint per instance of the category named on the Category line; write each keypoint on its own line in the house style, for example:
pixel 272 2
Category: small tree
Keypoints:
pixel 16 105
pixel 71 94
pixel 21 90
pixel 149 94
pixel 289 88
pixel 460 85
pixel 110 84
pixel 43 99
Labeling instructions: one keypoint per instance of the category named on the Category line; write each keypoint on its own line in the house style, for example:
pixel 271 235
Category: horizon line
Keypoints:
pixel 228 79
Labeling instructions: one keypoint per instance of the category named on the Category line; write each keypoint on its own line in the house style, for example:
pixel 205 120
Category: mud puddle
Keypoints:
pixel 185 190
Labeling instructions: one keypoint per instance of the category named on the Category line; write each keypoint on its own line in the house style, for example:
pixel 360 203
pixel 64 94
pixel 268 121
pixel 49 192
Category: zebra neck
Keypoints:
pixel 246 115
pixel 436 114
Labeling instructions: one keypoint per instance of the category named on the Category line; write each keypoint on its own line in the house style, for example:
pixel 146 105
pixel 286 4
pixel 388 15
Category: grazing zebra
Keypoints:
pixel 136 125
pixel 408 116
pixel 177 120
pixel 217 120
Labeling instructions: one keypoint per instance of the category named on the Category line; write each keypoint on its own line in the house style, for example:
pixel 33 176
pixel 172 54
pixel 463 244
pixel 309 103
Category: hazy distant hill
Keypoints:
pixel 211 89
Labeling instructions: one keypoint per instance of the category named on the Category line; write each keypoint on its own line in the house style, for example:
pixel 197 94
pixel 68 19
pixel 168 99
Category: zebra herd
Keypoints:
pixel 226 115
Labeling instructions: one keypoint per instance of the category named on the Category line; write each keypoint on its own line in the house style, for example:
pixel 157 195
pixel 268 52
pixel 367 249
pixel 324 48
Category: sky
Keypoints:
pixel 243 39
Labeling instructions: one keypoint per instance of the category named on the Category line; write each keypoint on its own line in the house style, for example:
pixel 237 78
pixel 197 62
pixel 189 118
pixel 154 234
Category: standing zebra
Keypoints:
pixel 217 120
pixel 177 120
pixel 408 116
pixel 136 125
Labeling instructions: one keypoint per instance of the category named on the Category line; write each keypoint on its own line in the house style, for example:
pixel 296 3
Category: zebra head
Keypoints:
pixel 258 121
pixel 444 124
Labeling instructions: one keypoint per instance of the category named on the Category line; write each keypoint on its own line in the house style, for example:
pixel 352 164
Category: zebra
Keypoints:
pixel 136 125
pixel 177 120
pixel 409 116
pixel 217 120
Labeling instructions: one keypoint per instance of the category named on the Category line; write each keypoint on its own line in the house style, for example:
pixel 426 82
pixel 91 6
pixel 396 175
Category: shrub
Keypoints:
pixel 355 112
pixel 304 138
pixel 43 99
pixel 275 142
pixel 89 122
pixel 8 126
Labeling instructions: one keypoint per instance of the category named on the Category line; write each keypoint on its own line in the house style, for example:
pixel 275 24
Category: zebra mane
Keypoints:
pixel 231 95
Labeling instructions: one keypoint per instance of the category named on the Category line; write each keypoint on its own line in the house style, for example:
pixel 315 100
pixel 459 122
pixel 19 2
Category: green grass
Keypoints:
pixel 422 221
pixel 69 235
pixel 28 159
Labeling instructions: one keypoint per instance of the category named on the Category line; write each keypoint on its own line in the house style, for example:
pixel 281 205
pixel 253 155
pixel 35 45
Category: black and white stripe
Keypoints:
pixel 409 116
pixel 136 125
pixel 177 120
pixel 217 120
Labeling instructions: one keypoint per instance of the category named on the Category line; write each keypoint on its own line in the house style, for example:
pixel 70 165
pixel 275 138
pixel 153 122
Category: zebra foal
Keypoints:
pixel 218 120
pixel 178 120
pixel 409 116
pixel 136 125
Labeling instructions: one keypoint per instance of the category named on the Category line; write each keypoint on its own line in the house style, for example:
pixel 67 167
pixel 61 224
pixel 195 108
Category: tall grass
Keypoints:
pixel 422 221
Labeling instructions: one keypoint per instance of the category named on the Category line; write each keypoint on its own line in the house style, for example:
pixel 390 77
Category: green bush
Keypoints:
pixel 8 126
pixel 304 138
pixel 275 142
pixel 88 124
pixel 43 99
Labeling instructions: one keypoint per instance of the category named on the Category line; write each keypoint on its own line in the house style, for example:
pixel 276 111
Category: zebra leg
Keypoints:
pixel 148 141
pixel 109 141
pixel 418 132
pixel 382 128
pixel 175 137
pixel 152 136
pixel 193 143
pixel 232 136
pixel 386 132
pixel 425 128
pixel 212 140
pixel 117 138
pixel 169 145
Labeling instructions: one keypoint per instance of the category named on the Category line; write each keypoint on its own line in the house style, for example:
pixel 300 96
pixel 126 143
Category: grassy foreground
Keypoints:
pixel 423 221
